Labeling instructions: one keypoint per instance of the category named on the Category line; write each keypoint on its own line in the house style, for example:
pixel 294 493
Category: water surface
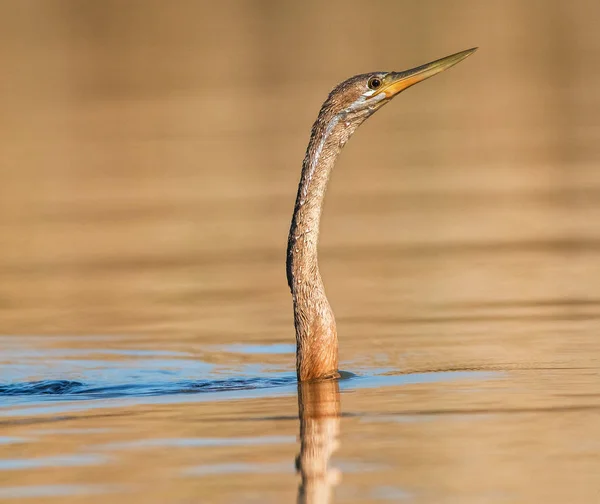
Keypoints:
pixel 150 156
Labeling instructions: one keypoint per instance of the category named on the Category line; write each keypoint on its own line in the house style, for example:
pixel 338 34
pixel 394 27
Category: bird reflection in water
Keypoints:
pixel 319 413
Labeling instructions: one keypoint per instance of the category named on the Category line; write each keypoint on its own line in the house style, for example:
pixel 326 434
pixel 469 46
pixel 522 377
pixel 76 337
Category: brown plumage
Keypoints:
pixel 346 107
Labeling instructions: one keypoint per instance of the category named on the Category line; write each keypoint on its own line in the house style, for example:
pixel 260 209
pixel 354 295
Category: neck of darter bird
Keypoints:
pixel 315 324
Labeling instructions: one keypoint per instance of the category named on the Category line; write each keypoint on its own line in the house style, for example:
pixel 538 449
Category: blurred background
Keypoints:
pixel 149 158
pixel 153 148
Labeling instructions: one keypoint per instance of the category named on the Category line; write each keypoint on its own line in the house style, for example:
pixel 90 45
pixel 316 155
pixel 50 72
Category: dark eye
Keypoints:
pixel 374 83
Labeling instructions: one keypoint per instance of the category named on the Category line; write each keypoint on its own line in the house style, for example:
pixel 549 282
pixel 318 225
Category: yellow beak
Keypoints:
pixel 395 82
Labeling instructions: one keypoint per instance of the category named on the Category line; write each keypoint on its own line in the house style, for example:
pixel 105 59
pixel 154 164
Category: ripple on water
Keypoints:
pixel 151 376
pixel 45 491
pixel 77 460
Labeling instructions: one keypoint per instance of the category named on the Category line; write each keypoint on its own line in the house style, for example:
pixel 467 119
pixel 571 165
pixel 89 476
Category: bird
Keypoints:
pixel 348 105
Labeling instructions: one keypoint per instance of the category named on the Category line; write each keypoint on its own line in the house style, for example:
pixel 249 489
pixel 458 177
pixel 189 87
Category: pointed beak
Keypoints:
pixel 395 82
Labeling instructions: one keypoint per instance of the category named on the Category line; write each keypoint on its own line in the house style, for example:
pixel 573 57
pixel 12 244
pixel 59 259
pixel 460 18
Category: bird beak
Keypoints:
pixel 395 82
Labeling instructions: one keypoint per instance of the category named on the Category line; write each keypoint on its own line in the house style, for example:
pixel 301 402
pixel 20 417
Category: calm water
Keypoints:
pixel 150 156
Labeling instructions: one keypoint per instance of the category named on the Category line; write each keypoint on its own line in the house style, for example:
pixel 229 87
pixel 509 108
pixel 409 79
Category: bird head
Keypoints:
pixel 360 96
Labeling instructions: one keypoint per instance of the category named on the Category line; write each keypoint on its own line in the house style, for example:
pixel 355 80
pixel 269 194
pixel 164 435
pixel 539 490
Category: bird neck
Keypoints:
pixel 316 336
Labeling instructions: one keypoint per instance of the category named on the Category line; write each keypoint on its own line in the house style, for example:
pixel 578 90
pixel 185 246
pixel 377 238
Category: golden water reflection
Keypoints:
pixel 149 159
pixel 319 412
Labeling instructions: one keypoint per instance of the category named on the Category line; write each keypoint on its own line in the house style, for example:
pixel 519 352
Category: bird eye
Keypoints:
pixel 374 83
